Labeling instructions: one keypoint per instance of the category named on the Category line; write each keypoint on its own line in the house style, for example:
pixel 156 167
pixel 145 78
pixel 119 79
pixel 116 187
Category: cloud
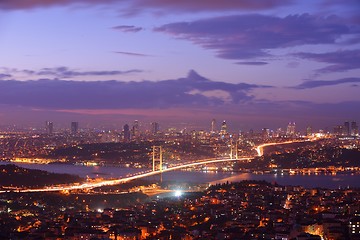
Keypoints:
pixel 341 61
pixel 64 72
pixel 322 83
pixel 134 6
pixel 5 76
pixel 351 4
pixel 133 54
pixel 127 28
pixel 224 96
pixel 292 64
pixel 253 36
pixel 60 94
pixel 192 98
pixel 252 63
pixel 245 116
pixel 166 6
pixel 20 4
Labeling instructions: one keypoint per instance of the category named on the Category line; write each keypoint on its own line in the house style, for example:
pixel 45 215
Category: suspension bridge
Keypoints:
pixel 157 160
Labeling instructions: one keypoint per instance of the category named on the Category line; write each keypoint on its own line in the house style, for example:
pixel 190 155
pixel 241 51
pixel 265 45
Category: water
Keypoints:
pixel 324 181
pixel 309 181
pixel 82 171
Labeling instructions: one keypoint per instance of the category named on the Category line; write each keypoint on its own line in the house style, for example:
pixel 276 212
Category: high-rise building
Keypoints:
pixel 213 125
pixel 265 133
pixel 74 127
pixel 49 127
pixel 126 131
pixel 155 128
pixel 347 129
pixel 309 131
pixel 223 128
pixel 339 130
pixel 136 129
pixel 279 132
pixel 290 130
pixel 354 129
pixel 241 135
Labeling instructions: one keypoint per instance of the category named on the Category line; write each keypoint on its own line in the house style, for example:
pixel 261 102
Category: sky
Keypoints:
pixel 254 63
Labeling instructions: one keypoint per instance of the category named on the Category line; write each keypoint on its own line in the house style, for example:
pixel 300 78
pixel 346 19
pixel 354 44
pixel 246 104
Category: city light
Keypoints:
pixel 178 193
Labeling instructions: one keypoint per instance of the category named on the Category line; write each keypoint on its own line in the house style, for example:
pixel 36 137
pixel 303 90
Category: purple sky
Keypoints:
pixel 254 63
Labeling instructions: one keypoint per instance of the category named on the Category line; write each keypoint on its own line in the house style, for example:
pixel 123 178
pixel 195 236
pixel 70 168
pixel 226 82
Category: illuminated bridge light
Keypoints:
pixel 140 175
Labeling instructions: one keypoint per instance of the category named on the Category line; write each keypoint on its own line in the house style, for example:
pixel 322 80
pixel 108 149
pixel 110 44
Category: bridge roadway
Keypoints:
pixel 90 185
pixel 260 149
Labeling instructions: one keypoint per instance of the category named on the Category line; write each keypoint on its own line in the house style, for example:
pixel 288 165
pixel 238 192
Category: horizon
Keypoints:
pixel 59 127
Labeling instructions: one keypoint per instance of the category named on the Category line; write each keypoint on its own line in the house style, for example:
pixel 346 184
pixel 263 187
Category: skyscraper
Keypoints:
pixel 126 130
pixel 290 130
pixel 135 129
pixel 213 125
pixel 265 132
pixel 339 130
pixel 74 127
pixel 309 131
pixel 347 129
pixel 223 128
pixel 154 128
pixel 354 129
pixel 49 127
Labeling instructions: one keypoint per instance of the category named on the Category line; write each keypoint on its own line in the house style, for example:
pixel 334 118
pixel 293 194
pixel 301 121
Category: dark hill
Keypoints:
pixel 12 175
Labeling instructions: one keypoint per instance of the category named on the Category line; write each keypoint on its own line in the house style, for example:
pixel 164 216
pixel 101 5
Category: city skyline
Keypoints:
pixel 256 64
pixel 137 129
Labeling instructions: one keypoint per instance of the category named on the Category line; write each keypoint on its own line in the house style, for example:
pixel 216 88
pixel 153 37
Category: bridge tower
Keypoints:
pixel 157 156
pixel 234 150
